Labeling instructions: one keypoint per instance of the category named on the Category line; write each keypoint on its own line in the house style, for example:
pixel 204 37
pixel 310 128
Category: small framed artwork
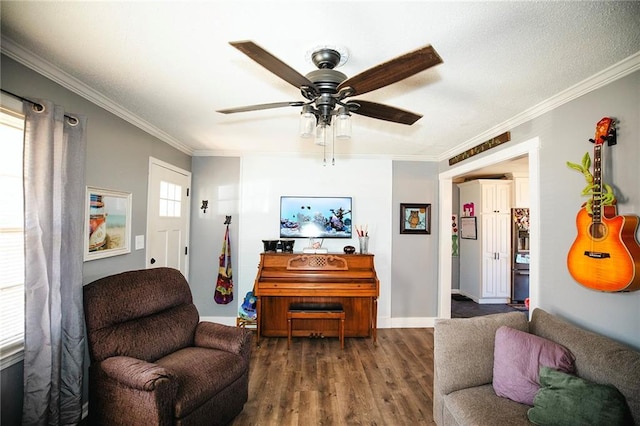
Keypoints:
pixel 454 235
pixel 107 223
pixel 415 218
pixel 469 228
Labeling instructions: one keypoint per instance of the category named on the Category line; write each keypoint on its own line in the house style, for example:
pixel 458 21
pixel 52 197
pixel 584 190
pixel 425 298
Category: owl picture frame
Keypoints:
pixel 415 218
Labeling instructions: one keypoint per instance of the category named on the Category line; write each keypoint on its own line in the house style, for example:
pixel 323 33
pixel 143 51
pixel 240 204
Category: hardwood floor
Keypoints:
pixel 317 383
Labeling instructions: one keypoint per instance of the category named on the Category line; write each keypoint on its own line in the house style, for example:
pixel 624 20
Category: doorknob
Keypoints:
pixel 152 261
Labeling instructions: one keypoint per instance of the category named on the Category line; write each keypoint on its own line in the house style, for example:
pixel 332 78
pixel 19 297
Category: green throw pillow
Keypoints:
pixel 564 399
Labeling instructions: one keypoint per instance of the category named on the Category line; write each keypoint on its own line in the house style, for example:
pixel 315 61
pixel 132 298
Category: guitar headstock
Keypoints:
pixel 605 131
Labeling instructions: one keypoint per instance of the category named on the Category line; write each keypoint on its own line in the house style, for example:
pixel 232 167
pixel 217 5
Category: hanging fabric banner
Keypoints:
pixel 224 285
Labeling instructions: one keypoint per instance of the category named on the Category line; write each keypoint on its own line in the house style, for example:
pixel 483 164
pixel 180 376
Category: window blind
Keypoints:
pixel 11 236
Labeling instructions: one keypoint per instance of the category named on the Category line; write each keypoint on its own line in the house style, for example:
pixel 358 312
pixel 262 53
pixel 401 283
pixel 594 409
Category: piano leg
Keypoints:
pixel 258 321
pixel 374 320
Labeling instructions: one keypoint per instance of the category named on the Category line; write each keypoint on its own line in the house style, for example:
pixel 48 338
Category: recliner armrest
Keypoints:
pixel 135 373
pixel 223 337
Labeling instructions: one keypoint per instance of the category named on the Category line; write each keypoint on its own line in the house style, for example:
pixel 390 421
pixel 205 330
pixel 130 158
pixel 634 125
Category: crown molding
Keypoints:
pixel 292 154
pixel 18 53
pixel 596 81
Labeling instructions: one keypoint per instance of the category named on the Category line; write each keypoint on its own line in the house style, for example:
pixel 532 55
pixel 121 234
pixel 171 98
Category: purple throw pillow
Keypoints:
pixel 517 359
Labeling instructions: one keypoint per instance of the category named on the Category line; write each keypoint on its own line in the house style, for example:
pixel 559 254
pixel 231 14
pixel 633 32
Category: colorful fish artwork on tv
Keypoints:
pixel 315 217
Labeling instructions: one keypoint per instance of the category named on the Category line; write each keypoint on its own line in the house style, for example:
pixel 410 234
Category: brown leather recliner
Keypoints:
pixel 153 362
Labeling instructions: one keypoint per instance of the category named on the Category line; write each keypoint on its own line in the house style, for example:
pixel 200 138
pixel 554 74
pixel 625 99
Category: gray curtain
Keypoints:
pixel 54 163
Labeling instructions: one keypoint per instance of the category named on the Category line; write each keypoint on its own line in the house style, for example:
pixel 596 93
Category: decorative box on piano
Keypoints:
pixel 286 278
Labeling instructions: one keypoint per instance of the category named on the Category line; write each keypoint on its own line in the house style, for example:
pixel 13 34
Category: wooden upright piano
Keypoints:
pixel 285 278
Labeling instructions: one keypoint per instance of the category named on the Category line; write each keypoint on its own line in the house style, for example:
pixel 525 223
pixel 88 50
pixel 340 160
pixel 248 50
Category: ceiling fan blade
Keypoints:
pixel 392 71
pixel 259 107
pixel 385 112
pixel 272 63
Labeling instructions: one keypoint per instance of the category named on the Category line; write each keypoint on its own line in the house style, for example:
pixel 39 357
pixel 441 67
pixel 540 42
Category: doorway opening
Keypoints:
pixel 446 179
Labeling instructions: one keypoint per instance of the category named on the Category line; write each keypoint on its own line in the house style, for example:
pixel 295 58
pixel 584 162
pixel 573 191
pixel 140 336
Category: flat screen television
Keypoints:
pixel 315 217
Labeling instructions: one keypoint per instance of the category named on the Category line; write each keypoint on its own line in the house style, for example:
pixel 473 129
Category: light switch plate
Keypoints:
pixel 139 242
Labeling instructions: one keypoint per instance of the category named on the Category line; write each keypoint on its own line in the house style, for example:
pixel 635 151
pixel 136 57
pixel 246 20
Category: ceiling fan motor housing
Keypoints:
pixel 326 58
pixel 326 82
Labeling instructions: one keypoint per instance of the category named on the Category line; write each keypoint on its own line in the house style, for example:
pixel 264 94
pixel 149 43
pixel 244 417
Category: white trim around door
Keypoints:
pixel 531 148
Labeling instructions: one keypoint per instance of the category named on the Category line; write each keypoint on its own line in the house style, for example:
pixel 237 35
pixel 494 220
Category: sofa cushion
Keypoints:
pixel 565 399
pixel 454 337
pixel 599 359
pixel 518 357
pixel 480 405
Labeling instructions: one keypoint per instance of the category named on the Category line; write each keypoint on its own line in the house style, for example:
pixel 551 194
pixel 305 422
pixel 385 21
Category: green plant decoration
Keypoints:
pixel 607 198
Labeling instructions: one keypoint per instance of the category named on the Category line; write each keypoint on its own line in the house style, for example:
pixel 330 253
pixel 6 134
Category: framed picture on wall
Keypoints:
pixel 107 226
pixel 415 218
pixel 469 228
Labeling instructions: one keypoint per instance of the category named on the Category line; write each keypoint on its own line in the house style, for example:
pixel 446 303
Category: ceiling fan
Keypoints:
pixel 326 90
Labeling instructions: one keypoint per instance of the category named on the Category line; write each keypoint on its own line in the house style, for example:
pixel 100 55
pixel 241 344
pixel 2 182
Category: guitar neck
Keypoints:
pixel 596 197
pixel 602 134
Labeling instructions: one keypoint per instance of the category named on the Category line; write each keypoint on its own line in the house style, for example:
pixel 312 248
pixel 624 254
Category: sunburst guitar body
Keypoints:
pixel 605 255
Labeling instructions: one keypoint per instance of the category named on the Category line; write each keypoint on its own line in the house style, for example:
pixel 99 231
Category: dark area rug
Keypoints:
pixel 464 307
pixel 460 298
pixel 519 306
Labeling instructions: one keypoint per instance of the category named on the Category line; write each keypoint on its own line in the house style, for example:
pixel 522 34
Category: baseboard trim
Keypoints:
pixel 493 301
pixel 413 322
pixel 220 320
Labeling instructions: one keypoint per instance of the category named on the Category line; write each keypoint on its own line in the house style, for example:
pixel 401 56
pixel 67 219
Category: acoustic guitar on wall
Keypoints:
pixel 605 255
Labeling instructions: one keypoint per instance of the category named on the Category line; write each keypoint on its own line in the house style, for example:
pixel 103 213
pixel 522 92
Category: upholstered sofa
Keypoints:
pixel 464 367
pixel 153 362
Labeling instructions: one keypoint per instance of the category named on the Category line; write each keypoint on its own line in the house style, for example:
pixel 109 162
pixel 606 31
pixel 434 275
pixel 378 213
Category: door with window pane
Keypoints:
pixel 168 217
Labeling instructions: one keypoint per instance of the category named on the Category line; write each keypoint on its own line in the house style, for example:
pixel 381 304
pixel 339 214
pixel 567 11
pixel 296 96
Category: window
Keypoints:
pixel 11 238
pixel 170 199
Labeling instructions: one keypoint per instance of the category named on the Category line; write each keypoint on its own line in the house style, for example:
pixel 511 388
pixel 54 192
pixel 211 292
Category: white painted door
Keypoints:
pixel 168 212
pixel 495 255
pixel 489 271
pixel 503 253
pixel 496 196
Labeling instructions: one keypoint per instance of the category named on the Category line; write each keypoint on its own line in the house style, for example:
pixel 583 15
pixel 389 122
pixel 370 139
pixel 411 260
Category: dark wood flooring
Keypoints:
pixel 317 383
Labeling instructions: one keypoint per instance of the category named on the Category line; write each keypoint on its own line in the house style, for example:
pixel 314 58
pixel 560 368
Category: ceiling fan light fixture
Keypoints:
pixel 326 89
pixel 307 122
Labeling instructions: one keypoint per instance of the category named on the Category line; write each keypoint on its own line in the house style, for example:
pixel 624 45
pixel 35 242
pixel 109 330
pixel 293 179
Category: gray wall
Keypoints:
pixel 215 179
pixel 117 158
pixel 414 272
pixel 11 395
pixel 564 134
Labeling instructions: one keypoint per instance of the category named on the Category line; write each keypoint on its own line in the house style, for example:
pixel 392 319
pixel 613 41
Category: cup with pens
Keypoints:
pixel 363 238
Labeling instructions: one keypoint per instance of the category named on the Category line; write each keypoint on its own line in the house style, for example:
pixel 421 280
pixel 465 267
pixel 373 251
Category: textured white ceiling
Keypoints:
pixel 167 66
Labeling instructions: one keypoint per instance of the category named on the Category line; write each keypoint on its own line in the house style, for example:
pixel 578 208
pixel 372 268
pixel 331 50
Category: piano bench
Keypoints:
pixel 315 311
